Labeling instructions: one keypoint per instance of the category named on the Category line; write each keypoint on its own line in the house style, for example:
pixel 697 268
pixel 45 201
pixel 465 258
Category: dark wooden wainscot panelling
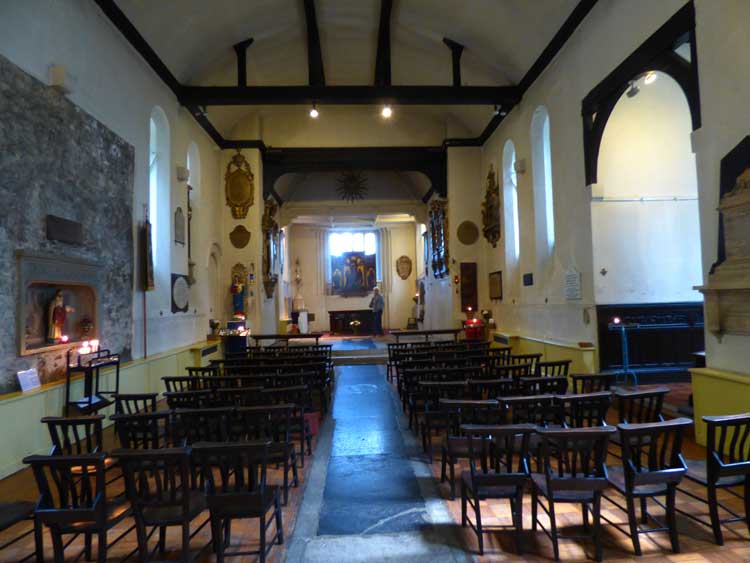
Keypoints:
pixel 670 348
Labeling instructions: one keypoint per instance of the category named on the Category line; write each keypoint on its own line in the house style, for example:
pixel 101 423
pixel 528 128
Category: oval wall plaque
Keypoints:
pixel 239 237
pixel 467 233
pixel 403 267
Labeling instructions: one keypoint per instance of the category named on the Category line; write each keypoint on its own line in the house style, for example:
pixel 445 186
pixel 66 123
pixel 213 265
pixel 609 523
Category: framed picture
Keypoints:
pixel 496 285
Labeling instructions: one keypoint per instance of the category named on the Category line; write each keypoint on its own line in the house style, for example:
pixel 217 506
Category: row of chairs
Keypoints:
pixel 501 426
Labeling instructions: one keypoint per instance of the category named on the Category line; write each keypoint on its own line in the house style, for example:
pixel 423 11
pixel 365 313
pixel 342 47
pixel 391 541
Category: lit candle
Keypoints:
pixel 94 345
pixel 85 348
pixel 616 320
pixel 64 338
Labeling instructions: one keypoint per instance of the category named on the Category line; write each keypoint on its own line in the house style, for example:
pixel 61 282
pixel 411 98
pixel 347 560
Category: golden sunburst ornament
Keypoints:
pixel 352 185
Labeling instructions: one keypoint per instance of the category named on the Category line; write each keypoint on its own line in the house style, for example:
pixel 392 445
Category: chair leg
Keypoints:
pixel 216 538
pixel 644 510
pixel 633 523
pixel 747 501
pixel 101 548
pixel 478 522
pixel 553 528
pixel 57 545
pixel 672 518
pixel 534 501
pixel 596 513
pixel 279 523
pixel 262 550
pixel 713 510
pixel 463 504
pixel 88 540
pixel 162 539
pixel 285 485
pixel 140 531
pixel 39 540
pixel 227 532
pixel 452 468
pixel 585 513
pixel 519 521
pixel 186 542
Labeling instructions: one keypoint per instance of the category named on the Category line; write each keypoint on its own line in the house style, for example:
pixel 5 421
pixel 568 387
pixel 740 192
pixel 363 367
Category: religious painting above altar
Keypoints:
pixel 353 273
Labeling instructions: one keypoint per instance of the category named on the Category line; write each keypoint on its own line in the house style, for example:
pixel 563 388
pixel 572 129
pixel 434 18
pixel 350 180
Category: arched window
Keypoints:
pixel 544 213
pixel 510 196
pixel 194 166
pixel 158 195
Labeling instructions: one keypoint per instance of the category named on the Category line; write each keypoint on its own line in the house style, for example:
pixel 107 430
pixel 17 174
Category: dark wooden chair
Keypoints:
pixel 503 473
pixel 12 513
pixel 180 383
pixel 652 466
pixel 539 410
pixel 480 389
pixel 727 465
pixel 235 486
pixel 144 430
pixel 188 399
pixel 271 424
pixel 301 397
pixel 574 471
pixel 590 382
pixel 500 353
pixel 542 385
pixel 585 409
pixel 455 446
pixel 159 486
pixel 132 403
pixel 202 425
pixel 238 396
pixel 557 368
pixel 433 419
pixel 78 436
pixel 513 371
pixel 73 501
pixel 637 407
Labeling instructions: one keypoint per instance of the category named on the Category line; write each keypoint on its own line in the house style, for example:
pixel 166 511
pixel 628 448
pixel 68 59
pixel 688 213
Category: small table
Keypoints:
pixel 286 337
pixel 90 366
pixel 426 333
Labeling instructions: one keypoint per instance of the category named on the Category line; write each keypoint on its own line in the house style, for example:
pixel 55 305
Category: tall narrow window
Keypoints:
pixel 159 196
pixel 544 213
pixel 510 195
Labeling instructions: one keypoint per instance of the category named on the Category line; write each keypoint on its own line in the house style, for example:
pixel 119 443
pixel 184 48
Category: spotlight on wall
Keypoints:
pixel 651 77
pixel 499 111
pixel 314 113
pixel 386 112
pixel 633 90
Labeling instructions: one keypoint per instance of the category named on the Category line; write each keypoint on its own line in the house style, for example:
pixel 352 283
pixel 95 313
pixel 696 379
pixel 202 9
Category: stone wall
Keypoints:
pixel 56 159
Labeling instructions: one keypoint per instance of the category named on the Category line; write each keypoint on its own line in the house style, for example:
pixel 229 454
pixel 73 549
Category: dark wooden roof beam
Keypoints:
pixel 241 50
pixel 383 59
pixel 456 51
pixel 316 77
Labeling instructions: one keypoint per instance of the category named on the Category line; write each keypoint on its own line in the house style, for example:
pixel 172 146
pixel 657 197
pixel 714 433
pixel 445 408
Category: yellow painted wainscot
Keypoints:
pixel 584 359
pixel 21 433
pixel 717 392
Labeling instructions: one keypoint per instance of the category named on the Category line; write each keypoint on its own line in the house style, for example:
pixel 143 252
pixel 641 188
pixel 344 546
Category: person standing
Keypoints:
pixel 377 304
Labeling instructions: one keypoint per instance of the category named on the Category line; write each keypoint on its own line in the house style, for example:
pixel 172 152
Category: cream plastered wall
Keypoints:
pixel 110 81
pixel 610 32
pixel 647 251
pixel 307 244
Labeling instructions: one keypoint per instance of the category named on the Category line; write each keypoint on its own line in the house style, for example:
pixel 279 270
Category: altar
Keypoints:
pixel 344 322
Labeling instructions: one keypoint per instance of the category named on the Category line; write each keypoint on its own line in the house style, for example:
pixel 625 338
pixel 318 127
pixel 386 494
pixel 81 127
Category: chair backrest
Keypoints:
pixel 539 410
pixel 503 371
pixel 635 407
pixel 75 436
pixel 238 396
pixel 502 354
pixel 144 430
pixel 71 488
pixel 728 447
pixel 181 383
pixel 466 411
pixel 543 385
pixel 188 399
pixel 298 395
pixel 203 371
pixel 590 382
pixel 574 459
pixel 491 388
pixel 586 409
pixel 552 369
pixel 269 423
pixel 230 470
pixel 157 479
pixel 525 359
pixel 132 403
pixel 202 425
pixel 652 451
pixel 503 447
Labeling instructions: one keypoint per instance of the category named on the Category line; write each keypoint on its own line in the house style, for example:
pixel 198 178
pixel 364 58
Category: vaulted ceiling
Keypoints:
pixel 502 40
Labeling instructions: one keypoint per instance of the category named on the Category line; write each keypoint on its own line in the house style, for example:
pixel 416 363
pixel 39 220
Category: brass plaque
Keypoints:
pixel 239 237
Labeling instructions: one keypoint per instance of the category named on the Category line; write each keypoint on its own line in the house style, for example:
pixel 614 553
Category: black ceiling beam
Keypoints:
pixel 128 30
pixel 354 95
pixel 315 74
pixel 567 29
pixel 383 58
pixel 241 50
pixel 456 51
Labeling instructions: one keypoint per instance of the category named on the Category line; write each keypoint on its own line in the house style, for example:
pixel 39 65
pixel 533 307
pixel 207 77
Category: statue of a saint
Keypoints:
pixel 238 295
pixel 57 312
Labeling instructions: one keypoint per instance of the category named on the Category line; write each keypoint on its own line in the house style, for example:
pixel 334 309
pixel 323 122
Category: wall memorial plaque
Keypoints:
pixel 573 289
pixel 179 226
pixel 239 237
pixel 239 186
pixel 403 267
pixel 467 233
pixel 491 209
pixel 180 293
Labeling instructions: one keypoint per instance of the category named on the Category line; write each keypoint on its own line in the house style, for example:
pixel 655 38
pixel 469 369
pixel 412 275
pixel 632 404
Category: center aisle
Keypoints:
pixel 370 497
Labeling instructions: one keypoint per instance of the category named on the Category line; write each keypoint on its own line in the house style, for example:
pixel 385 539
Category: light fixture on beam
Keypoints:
pixel 499 111
pixel 650 77
pixel 314 113
pixel 633 90
pixel 387 111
